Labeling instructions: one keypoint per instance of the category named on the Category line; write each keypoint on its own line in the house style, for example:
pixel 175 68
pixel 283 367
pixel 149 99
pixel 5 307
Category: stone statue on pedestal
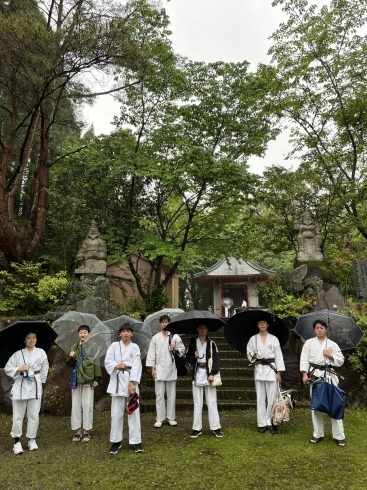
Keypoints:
pixel 91 257
pixel 309 238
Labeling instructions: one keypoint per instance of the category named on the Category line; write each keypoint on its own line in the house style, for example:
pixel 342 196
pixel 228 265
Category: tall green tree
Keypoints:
pixel 47 49
pixel 196 133
pixel 319 90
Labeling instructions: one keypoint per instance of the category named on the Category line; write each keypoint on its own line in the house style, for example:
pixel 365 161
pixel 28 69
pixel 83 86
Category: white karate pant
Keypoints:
pixel 118 405
pixel 20 407
pixel 164 411
pixel 211 401
pixel 82 400
pixel 265 395
pixel 318 426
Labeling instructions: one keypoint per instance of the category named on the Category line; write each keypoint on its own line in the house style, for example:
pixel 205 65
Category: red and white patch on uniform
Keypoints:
pixel 131 355
pixel 270 347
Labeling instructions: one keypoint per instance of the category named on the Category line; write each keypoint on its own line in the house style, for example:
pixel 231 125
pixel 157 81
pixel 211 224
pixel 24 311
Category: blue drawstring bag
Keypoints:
pixel 74 379
pixel 328 398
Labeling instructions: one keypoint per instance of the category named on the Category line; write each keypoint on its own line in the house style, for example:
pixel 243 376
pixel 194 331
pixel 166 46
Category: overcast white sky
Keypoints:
pixel 212 30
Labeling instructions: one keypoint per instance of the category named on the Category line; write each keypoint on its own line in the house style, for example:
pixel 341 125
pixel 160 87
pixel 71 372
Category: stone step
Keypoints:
pixel 149 405
pixel 223 393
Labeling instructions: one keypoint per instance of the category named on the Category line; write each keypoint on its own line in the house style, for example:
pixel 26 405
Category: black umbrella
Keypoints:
pixel 12 337
pixel 186 323
pixel 341 328
pixel 242 326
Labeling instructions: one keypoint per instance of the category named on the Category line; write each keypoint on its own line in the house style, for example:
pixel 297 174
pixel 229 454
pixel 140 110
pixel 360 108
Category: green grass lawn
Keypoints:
pixel 243 459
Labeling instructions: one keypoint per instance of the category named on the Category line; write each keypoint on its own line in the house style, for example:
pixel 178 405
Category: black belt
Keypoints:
pixel 323 367
pixel 202 365
pixel 266 362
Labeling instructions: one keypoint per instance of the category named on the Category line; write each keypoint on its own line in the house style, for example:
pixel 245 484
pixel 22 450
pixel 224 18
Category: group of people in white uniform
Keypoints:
pixel 29 368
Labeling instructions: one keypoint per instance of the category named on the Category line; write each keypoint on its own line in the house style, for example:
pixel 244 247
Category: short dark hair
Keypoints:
pixel 126 326
pixel 164 317
pixel 84 327
pixel 200 323
pixel 321 322
pixel 29 333
pixel 262 318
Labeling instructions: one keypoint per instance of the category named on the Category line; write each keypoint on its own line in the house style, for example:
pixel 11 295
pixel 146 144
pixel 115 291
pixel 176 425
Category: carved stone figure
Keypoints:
pixel 309 238
pixel 91 257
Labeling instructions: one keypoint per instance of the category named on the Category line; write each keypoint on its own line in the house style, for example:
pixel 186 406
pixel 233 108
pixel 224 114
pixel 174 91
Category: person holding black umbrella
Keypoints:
pixel 318 354
pixel 264 352
pixel 29 368
pixel 201 349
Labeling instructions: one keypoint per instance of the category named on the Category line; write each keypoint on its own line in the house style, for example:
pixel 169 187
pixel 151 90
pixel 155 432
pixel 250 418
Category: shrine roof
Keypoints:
pixel 234 267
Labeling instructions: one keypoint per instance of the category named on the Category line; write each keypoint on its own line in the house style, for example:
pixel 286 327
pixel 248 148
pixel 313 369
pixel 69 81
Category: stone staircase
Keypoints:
pixel 236 393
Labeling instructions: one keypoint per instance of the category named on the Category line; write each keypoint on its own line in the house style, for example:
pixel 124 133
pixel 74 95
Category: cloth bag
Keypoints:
pixel 328 398
pixel 132 403
pixel 217 381
pixel 73 379
pixel 182 365
pixel 281 407
pixel 74 373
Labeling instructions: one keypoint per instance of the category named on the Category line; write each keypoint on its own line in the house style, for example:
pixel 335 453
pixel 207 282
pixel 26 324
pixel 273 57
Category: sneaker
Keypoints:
pixel 138 448
pixel 114 449
pixel 172 422
pixel 18 448
pixel 217 433
pixel 32 445
pixel 158 424
pixel 195 434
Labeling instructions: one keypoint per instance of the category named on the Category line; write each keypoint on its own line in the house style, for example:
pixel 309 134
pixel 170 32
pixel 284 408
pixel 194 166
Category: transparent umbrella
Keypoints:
pixel 107 332
pixel 67 326
pixel 153 319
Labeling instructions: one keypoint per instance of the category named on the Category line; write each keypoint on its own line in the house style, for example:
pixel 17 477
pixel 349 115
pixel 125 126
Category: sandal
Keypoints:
pixel 315 440
pixel 340 442
pixel 76 437
pixel 86 437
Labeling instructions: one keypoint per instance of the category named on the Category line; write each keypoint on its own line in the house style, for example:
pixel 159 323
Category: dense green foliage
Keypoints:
pixel 27 290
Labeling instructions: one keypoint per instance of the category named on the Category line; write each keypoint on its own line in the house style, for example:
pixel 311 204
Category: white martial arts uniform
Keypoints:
pixel 26 396
pixel 199 385
pixel 118 388
pixel 160 356
pixel 265 376
pixel 313 352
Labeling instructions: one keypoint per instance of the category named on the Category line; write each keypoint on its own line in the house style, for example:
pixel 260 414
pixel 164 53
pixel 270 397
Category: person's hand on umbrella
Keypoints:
pixel 173 347
pixel 120 366
pixel 72 353
pixel 25 367
pixel 255 353
pixel 328 353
